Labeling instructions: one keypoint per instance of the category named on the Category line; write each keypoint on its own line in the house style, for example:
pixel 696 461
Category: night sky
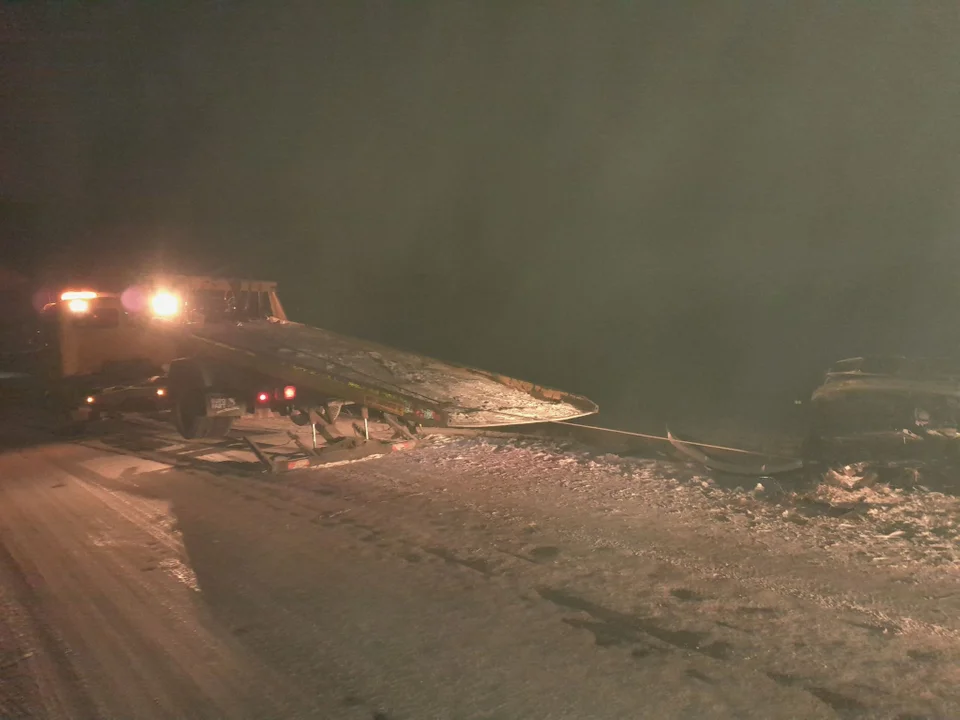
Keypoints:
pixel 671 207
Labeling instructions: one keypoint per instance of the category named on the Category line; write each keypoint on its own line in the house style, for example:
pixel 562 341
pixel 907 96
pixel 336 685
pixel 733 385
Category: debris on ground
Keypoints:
pixel 851 477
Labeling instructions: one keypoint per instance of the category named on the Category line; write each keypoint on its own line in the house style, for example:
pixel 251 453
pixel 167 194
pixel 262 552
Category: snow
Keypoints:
pixel 839 515
pixel 641 556
pixel 469 397
pixel 482 577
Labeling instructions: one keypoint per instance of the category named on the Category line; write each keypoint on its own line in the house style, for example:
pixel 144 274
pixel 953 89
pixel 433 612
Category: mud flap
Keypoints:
pixel 221 406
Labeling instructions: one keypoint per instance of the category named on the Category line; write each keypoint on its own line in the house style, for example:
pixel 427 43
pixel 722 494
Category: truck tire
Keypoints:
pixel 188 387
pixel 219 427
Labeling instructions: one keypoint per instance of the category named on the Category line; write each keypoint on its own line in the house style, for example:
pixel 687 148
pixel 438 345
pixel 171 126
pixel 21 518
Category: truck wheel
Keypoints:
pixel 219 427
pixel 189 414
pixel 189 382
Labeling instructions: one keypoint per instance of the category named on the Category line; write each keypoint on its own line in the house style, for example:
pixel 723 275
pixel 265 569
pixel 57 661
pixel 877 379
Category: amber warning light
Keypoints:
pixel 289 392
pixel 78 295
pixel 78 301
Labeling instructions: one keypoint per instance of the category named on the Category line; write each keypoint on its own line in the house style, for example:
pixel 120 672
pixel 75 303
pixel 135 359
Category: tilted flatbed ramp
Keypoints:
pixel 384 378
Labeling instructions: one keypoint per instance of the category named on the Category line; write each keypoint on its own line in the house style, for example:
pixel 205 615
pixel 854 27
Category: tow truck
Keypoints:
pixel 211 350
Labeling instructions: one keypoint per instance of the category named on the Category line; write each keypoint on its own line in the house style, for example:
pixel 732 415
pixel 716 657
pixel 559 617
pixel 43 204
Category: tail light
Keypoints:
pixel 289 392
pixel 263 398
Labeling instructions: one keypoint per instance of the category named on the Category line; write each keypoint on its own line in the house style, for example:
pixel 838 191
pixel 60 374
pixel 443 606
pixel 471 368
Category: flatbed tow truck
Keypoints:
pixel 215 355
pixel 212 350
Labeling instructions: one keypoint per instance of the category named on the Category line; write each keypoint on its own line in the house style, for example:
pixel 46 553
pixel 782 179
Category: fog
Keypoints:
pixel 674 208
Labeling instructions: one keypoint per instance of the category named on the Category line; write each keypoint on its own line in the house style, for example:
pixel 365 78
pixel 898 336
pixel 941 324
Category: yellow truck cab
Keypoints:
pixel 92 347
pixel 105 350
pixel 92 333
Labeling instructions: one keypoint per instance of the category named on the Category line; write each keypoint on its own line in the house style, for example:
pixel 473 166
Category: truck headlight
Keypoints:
pixel 165 304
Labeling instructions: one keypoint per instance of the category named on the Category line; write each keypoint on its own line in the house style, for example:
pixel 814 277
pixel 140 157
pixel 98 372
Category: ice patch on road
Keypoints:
pixel 181 572
pixel 153 517
pixel 115 467
pixel 353 461
pixel 228 456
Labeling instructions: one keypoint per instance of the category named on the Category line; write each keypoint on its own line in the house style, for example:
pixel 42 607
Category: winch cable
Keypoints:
pixel 674 439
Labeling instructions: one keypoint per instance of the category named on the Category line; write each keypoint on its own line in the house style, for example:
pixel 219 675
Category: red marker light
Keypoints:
pixel 289 392
pixel 263 397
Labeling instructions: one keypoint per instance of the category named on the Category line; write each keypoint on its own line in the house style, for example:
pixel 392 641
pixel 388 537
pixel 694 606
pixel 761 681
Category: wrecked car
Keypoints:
pixel 868 409
pixel 885 407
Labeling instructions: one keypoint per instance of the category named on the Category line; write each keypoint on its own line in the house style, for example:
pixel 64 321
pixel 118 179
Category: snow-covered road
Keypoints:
pixel 466 579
